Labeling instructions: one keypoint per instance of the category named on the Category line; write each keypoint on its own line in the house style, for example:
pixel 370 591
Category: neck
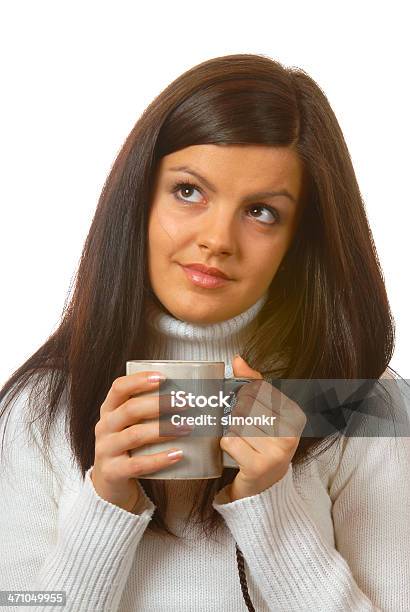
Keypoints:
pixel 171 338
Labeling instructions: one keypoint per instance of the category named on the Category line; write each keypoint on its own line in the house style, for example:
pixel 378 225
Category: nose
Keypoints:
pixel 216 233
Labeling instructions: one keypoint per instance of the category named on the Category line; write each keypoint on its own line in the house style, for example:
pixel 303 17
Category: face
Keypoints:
pixel 217 212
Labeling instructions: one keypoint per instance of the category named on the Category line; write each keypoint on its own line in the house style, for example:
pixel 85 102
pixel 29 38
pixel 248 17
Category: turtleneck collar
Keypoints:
pixel 171 338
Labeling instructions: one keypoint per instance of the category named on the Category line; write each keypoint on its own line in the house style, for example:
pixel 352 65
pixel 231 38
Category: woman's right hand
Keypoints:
pixel 119 430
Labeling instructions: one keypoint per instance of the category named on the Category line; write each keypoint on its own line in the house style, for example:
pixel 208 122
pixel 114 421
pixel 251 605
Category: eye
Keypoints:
pixel 273 215
pixel 186 186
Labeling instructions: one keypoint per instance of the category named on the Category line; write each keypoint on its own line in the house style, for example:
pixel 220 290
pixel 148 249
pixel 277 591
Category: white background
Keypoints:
pixel 76 76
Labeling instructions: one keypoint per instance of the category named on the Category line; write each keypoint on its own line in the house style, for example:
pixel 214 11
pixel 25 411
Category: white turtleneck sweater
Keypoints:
pixel 330 536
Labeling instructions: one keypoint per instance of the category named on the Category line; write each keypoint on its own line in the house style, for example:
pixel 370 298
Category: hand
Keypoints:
pixel 120 429
pixel 263 459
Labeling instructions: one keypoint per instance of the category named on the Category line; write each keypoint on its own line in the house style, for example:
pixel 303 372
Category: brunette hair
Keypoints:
pixel 328 297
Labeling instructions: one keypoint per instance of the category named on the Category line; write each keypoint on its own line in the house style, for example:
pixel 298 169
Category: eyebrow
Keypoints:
pixel 251 196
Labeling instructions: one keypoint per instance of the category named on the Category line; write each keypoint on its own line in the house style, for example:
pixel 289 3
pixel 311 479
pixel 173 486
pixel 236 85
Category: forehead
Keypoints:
pixel 247 165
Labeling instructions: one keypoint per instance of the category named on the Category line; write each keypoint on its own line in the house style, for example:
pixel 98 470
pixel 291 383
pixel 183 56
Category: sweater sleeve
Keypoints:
pixel 296 569
pixel 57 533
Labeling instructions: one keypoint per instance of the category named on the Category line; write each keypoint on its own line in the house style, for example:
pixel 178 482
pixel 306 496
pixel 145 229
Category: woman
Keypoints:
pixel 240 165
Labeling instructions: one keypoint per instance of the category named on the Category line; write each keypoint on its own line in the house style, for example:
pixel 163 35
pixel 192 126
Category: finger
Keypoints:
pixel 257 389
pixel 124 467
pixel 137 409
pixel 238 449
pixel 254 437
pixel 135 437
pixel 267 395
pixel 125 386
pixel 146 464
pixel 261 397
pixel 251 412
pixel 266 445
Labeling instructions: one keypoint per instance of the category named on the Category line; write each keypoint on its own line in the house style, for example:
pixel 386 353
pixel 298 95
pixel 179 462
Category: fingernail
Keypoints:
pixel 183 431
pixel 183 427
pixel 156 377
pixel 175 454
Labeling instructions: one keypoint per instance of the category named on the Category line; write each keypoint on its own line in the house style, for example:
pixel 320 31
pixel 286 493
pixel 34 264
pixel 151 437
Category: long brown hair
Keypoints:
pixel 327 315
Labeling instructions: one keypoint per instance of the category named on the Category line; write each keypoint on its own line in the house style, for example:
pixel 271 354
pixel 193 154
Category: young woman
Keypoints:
pixel 238 165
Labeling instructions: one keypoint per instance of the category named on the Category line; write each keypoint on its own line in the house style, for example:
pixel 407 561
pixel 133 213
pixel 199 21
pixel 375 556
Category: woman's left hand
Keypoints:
pixel 263 459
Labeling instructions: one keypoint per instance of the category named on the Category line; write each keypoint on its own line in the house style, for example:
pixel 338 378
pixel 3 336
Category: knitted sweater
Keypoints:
pixel 333 535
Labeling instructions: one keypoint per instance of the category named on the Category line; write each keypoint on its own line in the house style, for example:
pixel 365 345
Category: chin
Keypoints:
pixel 195 309
pixel 204 317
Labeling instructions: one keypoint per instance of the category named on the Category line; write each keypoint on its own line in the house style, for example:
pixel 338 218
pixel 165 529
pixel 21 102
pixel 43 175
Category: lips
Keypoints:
pixel 206 281
pixel 206 270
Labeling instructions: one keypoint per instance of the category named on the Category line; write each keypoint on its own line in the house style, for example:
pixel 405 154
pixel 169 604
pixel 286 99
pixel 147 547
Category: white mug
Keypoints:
pixel 203 456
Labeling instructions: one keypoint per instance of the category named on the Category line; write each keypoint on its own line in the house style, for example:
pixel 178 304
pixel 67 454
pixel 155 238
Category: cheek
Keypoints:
pixel 155 242
pixel 266 255
pixel 164 240
pixel 264 261
pixel 164 231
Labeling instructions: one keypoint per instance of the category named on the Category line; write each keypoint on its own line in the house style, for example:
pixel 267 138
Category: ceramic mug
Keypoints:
pixel 212 397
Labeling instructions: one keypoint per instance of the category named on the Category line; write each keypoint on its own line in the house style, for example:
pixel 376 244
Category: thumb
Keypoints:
pixel 241 368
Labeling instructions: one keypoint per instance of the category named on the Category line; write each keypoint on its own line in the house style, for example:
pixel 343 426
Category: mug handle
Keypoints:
pixel 232 386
